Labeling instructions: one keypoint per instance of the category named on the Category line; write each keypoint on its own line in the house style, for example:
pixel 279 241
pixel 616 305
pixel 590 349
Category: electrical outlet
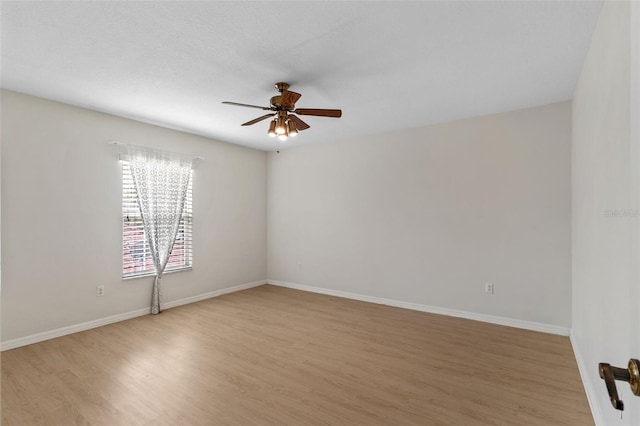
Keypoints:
pixel 299 265
pixel 100 291
pixel 488 288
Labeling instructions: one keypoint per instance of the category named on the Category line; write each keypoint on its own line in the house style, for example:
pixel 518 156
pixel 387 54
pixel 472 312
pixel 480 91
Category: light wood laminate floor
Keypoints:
pixel 275 356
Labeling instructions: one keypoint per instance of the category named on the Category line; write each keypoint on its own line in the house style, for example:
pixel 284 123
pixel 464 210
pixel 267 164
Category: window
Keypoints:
pixel 136 255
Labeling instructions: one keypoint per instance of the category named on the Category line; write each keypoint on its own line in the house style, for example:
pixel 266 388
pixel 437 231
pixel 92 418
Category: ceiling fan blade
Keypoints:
pixel 246 105
pixel 320 112
pixel 300 125
pixel 288 99
pixel 256 120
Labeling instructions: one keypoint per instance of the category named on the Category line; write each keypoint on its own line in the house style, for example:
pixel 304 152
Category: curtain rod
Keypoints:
pixel 125 144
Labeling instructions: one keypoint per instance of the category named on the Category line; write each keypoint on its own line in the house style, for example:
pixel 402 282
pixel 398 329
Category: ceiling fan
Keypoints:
pixel 285 122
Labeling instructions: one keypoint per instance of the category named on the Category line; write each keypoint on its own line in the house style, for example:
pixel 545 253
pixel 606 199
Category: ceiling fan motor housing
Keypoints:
pixel 276 101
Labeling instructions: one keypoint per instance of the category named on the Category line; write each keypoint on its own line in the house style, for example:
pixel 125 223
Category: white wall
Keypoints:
pixel 429 215
pixel 606 185
pixel 61 216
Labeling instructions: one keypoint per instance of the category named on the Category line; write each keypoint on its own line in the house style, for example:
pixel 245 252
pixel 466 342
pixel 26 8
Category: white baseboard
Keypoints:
pixel 59 332
pixel 52 334
pixel 528 325
pixel 209 295
pixel 586 382
pixel 39 337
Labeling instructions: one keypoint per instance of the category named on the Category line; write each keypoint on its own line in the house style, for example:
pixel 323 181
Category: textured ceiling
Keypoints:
pixel 388 65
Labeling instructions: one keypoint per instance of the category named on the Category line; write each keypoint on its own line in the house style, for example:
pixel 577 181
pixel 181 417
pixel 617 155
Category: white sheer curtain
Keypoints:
pixel 161 180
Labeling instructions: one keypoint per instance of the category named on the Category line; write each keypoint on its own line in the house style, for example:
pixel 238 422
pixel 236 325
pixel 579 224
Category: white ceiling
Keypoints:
pixel 387 65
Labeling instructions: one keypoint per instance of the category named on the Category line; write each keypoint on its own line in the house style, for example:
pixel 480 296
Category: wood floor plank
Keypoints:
pixel 275 356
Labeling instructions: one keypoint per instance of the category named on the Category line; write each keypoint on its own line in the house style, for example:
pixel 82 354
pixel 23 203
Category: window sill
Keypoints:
pixel 153 274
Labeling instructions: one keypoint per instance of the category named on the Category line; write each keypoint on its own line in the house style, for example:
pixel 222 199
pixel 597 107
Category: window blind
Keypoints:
pixel 136 253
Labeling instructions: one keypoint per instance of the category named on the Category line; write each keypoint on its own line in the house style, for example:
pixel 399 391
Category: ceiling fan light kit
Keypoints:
pixel 291 129
pixel 285 123
pixel 272 129
pixel 281 127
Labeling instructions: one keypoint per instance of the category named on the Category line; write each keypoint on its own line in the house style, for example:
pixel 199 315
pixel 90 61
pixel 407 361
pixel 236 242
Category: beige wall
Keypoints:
pixel 61 216
pixel 428 215
pixel 606 185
